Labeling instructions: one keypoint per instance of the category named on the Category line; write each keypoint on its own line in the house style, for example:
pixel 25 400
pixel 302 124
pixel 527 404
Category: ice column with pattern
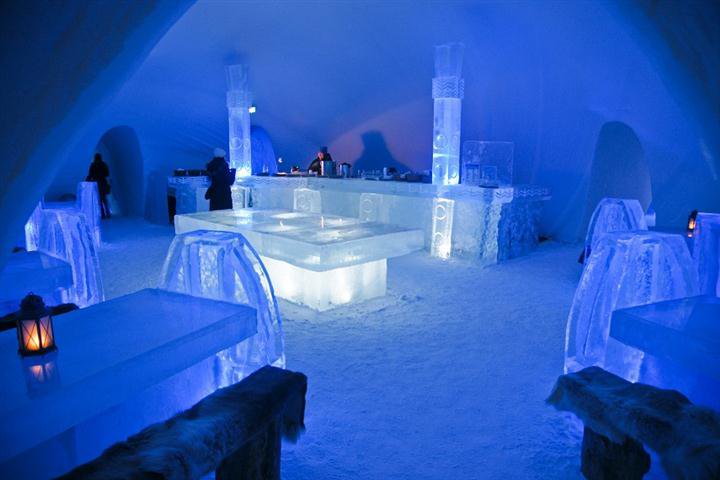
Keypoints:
pixel 706 252
pixel 224 266
pixel 447 91
pixel 442 225
pixel 65 234
pixel 614 215
pixel 239 100
pixel 625 269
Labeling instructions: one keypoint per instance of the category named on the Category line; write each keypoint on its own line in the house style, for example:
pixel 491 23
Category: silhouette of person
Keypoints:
pixel 221 179
pixel 321 155
pixel 99 173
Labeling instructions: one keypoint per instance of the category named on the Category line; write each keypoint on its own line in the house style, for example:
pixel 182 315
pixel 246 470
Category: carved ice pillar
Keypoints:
pixel 448 88
pixel 239 100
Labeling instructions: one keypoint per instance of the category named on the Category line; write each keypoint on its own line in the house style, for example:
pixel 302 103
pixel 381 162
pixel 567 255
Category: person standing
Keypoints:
pixel 315 164
pixel 99 173
pixel 221 178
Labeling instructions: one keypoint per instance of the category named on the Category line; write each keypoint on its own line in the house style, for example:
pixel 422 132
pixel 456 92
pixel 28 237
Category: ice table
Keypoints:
pixel 680 342
pixel 316 260
pixel 120 365
pixel 35 272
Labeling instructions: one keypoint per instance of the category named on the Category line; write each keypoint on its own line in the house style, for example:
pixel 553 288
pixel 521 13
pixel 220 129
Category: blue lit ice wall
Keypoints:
pixel 546 75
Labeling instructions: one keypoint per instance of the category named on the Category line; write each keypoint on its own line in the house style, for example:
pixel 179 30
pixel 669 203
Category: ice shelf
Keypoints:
pixel 624 270
pixel 706 252
pixel 316 260
pixel 614 215
pixel 223 266
pixel 680 340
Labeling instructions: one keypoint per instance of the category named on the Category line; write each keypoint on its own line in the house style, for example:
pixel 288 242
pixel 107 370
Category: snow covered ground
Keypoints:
pixel 444 378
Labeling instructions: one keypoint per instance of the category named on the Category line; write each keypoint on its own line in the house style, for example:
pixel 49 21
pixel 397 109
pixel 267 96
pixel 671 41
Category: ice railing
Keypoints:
pixel 224 266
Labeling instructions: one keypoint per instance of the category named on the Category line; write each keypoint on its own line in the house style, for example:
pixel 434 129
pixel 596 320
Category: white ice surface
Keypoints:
pixel 402 388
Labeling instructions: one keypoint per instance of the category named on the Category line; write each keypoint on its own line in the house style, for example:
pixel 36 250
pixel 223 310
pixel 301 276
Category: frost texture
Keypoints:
pixel 706 252
pixel 224 266
pixel 614 215
pixel 625 270
pixel 64 234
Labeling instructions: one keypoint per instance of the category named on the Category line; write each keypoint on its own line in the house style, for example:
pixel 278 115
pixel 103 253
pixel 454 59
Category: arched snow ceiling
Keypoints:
pixel 546 75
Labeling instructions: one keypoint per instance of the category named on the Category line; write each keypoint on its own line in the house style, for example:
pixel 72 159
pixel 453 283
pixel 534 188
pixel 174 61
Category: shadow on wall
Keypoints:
pixel 619 168
pixel 375 154
pixel 121 150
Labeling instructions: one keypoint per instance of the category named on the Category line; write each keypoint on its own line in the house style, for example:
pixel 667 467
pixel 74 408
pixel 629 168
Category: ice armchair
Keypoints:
pixel 614 215
pixel 224 266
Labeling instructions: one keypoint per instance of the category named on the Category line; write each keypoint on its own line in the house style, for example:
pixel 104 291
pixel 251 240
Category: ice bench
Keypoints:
pixel 620 417
pixel 235 432
pixel 316 260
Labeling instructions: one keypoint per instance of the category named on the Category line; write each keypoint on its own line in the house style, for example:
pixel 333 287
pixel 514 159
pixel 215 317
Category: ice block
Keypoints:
pixel 706 252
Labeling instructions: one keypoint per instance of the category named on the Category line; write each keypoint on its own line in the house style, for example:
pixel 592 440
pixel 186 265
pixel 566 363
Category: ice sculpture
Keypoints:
pixel 614 215
pixel 239 100
pixel 447 91
pixel 64 234
pixel 706 252
pixel 224 266
pixel 307 200
pixel 625 269
pixel 88 203
pixel 32 229
pixel 371 208
pixel 442 224
pixel 487 163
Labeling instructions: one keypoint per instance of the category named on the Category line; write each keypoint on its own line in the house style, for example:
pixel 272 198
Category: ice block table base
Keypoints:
pixel 320 261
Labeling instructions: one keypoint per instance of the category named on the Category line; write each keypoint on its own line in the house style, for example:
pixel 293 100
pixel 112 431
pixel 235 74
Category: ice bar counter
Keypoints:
pixel 316 260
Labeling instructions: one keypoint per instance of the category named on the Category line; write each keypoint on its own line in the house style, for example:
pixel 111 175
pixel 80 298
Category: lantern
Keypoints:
pixel 692 221
pixel 34 327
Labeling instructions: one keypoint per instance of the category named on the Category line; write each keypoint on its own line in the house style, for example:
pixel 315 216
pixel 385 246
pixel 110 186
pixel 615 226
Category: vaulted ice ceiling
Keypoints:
pixel 356 76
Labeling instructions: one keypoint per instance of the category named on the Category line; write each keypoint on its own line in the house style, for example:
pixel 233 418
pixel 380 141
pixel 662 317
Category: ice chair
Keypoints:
pixel 613 215
pixel 64 234
pixel 706 252
pixel 87 202
pixel 224 266
pixel 625 269
pixel 307 200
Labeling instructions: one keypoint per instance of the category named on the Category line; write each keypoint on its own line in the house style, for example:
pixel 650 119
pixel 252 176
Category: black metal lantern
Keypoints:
pixel 34 327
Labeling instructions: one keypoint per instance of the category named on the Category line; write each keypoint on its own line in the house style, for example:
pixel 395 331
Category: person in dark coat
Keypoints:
pixel 321 155
pixel 221 179
pixel 99 173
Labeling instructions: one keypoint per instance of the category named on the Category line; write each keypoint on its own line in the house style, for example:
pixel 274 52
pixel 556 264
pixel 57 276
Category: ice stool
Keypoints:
pixel 224 266
pixel 613 215
pixel 307 200
pixel 625 269
pixel 64 234
pixel 706 252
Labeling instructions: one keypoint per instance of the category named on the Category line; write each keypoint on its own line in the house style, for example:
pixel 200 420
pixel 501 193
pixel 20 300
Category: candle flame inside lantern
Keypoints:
pixel 37 334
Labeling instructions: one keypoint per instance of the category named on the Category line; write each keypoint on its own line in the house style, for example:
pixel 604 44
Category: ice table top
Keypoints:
pixel 686 331
pixel 36 272
pixel 308 240
pixel 109 352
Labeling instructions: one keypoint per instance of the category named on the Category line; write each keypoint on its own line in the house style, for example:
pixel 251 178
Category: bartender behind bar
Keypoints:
pixel 321 155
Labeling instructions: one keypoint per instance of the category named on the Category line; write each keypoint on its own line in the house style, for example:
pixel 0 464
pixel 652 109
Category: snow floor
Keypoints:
pixel 444 378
